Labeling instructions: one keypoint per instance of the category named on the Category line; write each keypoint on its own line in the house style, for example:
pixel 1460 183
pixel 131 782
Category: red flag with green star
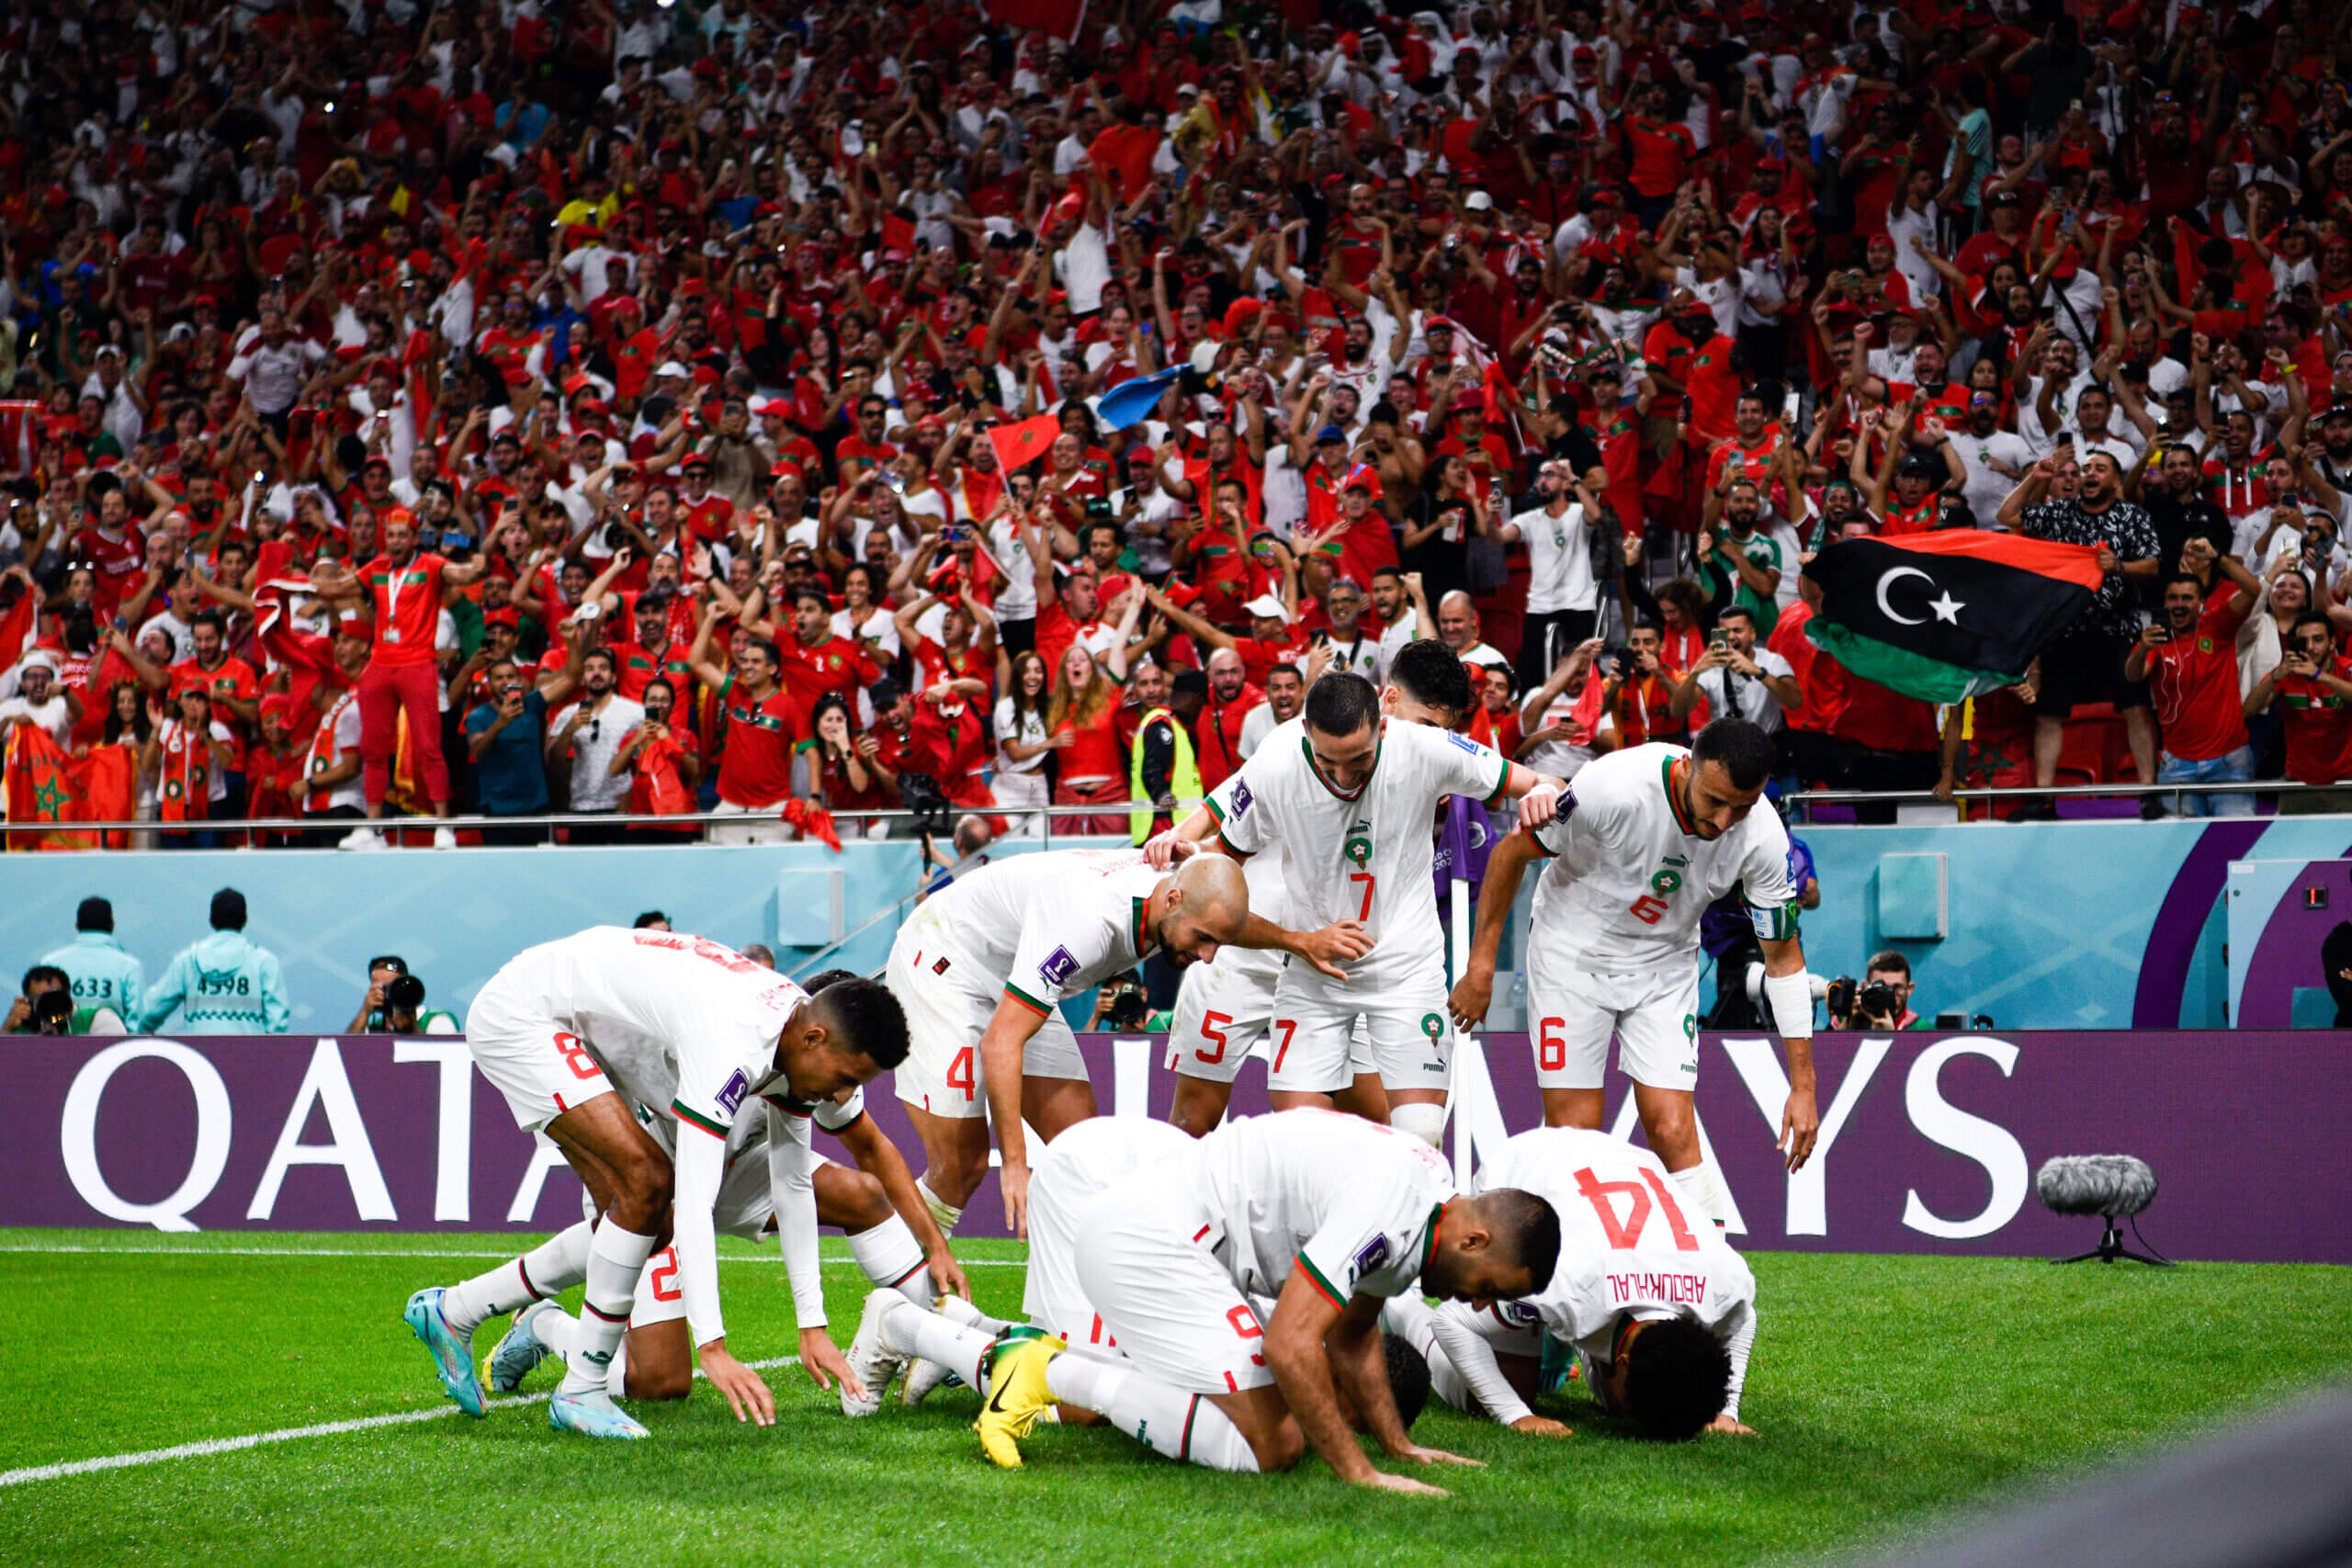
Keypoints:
pixel 35 784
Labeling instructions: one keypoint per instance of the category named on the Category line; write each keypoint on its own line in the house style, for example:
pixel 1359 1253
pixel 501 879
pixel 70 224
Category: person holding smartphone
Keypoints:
pixel 2312 686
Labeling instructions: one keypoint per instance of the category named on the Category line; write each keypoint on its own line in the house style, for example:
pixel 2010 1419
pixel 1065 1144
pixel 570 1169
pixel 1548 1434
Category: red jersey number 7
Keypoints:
pixel 1364 914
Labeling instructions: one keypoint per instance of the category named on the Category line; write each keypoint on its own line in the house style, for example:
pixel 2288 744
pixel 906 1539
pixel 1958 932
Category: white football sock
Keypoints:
pixel 913 1331
pixel 1423 1120
pixel 1703 1188
pixel 616 1375
pixel 942 1211
pixel 616 1259
pixel 956 1309
pixel 893 1259
pixel 548 1269
pixel 1184 1426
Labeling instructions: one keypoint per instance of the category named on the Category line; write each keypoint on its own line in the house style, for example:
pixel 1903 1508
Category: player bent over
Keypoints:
pixel 1328 1214
pixel 981 966
pixel 1225 1007
pixel 1643 840
pixel 1071 1172
pixel 1074 1171
pixel 1657 1310
pixel 787 1194
pixel 573 1033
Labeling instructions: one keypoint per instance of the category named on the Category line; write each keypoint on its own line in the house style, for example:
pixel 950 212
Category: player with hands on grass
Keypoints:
pixel 1329 1215
pixel 577 1032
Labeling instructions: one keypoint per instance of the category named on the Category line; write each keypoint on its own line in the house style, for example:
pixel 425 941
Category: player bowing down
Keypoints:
pixel 983 965
pixel 1328 1214
pixel 576 1032
pixel 1655 1307
pixel 1645 840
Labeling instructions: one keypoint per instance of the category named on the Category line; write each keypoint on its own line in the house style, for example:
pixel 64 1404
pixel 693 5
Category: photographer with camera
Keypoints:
pixel 1738 680
pixel 395 1003
pixel 45 1005
pixel 1880 1000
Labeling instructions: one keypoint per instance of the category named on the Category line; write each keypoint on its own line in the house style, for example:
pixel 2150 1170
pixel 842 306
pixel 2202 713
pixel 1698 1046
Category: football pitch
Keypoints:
pixel 1888 1392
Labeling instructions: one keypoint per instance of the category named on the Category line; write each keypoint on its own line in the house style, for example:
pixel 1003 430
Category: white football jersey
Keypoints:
pixel 1353 1203
pixel 1267 872
pixel 1628 880
pixel 1629 1243
pixel 683 1026
pixel 1365 856
pixel 1051 925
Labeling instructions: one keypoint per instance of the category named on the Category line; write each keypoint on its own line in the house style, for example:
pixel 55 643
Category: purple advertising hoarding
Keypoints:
pixel 1928 1140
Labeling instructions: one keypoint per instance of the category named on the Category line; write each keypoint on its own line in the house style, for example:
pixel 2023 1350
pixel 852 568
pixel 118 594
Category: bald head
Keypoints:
pixel 1200 908
pixel 1457 620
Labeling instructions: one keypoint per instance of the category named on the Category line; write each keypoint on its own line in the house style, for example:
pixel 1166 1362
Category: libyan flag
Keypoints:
pixel 1947 615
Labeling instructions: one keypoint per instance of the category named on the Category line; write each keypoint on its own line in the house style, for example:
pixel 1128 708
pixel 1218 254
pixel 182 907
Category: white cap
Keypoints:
pixel 671 368
pixel 1479 201
pixel 1266 605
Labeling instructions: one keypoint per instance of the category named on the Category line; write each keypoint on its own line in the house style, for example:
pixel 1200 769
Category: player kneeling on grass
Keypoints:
pixel 574 1033
pixel 788 1194
pixel 1072 1173
pixel 1655 1308
pixel 1169 1256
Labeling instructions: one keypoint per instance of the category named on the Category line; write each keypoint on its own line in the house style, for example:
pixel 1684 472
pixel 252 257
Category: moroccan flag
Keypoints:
pixel 35 786
pixel 1017 446
pixel 1946 615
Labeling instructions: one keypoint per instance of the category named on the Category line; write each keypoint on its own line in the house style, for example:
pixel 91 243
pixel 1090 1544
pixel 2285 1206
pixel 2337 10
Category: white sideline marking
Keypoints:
pixel 395 1253
pixel 283 1435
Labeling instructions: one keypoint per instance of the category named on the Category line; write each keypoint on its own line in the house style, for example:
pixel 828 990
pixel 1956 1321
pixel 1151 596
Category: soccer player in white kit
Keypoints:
pixel 1225 1007
pixel 1330 1215
pixel 777 1184
pixel 1645 840
pixel 1351 794
pixel 1658 1310
pixel 574 1033
pixel 1072 1172
pixel 981 967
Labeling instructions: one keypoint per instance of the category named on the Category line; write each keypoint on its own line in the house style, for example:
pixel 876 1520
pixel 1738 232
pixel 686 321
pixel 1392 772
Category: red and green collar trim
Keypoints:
pixel 1142 931
pixel 1429 1242
pixel 1674 773
pixel 1306 748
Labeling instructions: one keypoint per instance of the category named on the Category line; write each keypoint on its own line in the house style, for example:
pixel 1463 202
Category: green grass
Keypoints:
pixel 1886 1391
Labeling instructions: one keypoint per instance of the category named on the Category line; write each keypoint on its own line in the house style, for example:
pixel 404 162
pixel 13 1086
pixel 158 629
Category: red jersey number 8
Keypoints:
pixel 576 1058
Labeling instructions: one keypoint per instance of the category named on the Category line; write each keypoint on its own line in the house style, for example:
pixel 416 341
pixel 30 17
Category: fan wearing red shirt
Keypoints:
pixel 2313 689
pixel 231 684
pixel 760 735
pixel 403 586
pixel 816 663
pixel 1658 151
pixel 2190 659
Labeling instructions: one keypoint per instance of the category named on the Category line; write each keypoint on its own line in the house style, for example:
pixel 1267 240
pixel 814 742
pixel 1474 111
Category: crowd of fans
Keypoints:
pixel 487 409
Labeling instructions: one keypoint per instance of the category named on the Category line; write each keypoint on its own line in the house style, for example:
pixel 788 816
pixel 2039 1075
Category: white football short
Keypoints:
pixel 1071 1175
pixel 533 1059
pixel 1573 1010
pixel 948 1003
pixel 1147 1266
pixel 1223 1008
pixel 1408 1034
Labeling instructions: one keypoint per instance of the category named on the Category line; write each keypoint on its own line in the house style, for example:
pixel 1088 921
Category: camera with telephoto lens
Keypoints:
pixel 54 1013
pixel 615 536
pixel 1861 1005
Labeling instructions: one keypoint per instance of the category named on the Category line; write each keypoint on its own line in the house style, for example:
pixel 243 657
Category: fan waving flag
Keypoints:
pixel 1017 446
pixel 37 786
pixel 1947 615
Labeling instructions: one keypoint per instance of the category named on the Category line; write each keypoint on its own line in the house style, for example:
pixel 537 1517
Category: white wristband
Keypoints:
pixel 1791 1000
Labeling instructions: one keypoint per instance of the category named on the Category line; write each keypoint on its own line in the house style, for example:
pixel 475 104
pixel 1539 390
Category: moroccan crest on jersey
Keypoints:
pixel 1433 1025
pixel 1058 967
pixel 1358 847
pixel 1665 881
